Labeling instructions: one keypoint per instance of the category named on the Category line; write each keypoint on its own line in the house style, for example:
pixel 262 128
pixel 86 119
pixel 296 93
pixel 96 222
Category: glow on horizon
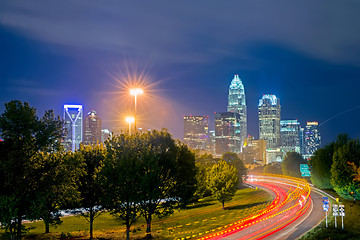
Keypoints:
pixel 153 111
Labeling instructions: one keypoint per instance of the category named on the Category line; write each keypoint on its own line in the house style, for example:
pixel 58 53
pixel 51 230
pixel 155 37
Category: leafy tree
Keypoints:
pixel 121 181
pixel 206 160
pixel 322 160
pixel 159 177
pixel 341 173
pixel 90 184
pixel 56 186
pixel 234 160
pixel 273 169
pixel 291 164
pixel 185 175
pixel 356 171
pixel 24 136
pixel 222 181
pixel 203 164
pixel 149 173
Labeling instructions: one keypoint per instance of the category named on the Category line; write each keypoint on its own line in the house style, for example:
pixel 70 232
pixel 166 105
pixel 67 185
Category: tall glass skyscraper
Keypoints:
pixel 237 104
pixel 269 120
pixel 227 132
pixel 290 136
pixel 73 117
pixel 92 128
pixel 312 139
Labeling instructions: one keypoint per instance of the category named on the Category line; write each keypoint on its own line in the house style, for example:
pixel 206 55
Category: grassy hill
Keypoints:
pixel 205 215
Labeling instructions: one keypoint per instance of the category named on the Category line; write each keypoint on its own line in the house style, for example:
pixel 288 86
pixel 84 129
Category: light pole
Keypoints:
pixel 130 120
pixel 135 92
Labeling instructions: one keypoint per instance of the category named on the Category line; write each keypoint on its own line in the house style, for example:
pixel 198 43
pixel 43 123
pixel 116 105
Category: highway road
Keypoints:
pixel 294 211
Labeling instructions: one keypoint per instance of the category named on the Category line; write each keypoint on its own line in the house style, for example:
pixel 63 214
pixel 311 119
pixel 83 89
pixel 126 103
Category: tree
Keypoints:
pixel 24 136
pixel 121 177
pixel 185 175
pixel 322 160
pixel 90 185
pixel 356 171
pixel 148 173
pixel 160 187
pixel 273 169
pixel 341 174
pixel 234 160
pixel 222 181
pixel 291 164
pixel 57 174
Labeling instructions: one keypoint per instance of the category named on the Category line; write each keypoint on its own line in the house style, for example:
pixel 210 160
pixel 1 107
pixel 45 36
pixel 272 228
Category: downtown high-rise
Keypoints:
pixel 290 136
pixel 196 132
pixel 92 128
pixel 237 104
pixel 227 132
pixel 312 139
pixel 269 120
pixel 73 118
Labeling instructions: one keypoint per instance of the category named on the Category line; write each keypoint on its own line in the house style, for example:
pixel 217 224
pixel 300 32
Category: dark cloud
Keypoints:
pixel 306 52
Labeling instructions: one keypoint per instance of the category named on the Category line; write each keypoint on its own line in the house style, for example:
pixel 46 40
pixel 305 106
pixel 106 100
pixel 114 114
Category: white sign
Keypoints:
pixel 342 210
pixel 335 210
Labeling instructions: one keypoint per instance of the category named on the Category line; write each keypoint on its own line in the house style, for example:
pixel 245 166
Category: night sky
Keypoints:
pixel 185 53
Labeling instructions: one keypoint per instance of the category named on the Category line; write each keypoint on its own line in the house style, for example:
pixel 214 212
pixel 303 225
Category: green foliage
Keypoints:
pixel 207 160
pixel 322 160
pixel 24 136
pixel 90 184
pixel 55 177
pixel 341 172
pixel 329 233
pixel 203 165
pixel 185 175
pixel 291 164
pixel 147 173
pixel 234 160
pixel 273 169
pixel 121 173
pixel 222 181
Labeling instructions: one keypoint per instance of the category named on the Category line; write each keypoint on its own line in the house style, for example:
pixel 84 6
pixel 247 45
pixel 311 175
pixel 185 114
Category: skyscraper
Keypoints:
pixel 73 117
pixel 227 132
pixel 92 128
pixel 312 139
pixel 269 120
pixel 237 104
pixel 105 135
pixel 290 136
pixel 196 131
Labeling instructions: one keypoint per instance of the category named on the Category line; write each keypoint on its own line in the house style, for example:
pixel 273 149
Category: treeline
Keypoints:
pixel 131 176
pixel 335 166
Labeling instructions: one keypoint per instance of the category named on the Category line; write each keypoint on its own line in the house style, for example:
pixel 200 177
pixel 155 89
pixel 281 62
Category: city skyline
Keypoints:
pixel 303 52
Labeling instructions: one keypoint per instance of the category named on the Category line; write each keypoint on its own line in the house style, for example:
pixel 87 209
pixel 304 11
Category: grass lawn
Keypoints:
pixel 205 215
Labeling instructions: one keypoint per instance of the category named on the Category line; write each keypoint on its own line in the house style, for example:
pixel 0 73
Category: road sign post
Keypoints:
pixel 335 213
pixel 342 214
pixel 326 207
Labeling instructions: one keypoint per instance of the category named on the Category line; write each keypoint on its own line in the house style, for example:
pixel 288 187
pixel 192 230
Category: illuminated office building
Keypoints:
pixel 73 118
pixel 105 135
pixel 92 128
pixel 227 132
pixel 312 139
pixel 237 104
pixel 269 120
pixel 290 136
pixel 196 132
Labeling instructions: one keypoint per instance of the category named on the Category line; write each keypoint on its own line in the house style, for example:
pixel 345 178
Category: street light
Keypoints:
pixel 135 92
pixel 130 120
